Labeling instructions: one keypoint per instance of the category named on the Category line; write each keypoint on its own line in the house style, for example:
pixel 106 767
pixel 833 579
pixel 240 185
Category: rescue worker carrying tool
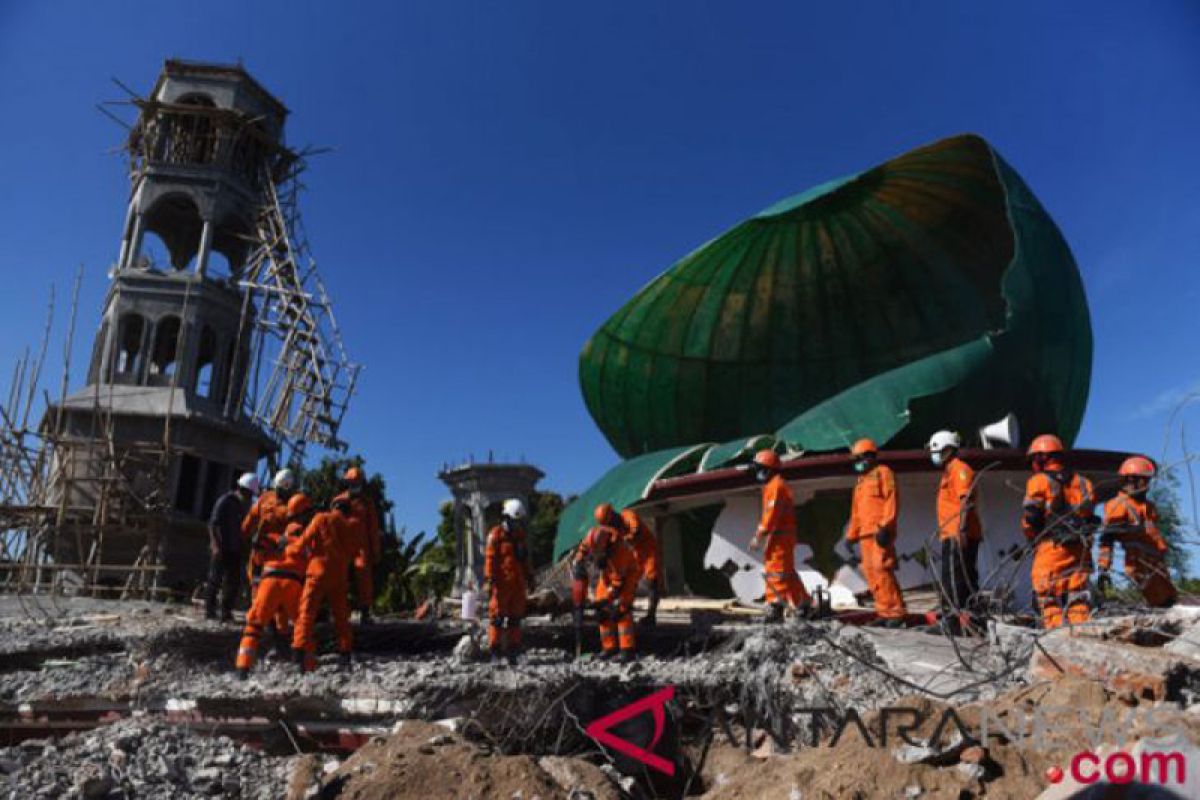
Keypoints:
pixel 778 527
pixel 1131 518
pixel 507 570
pixel 278 595
pixel 225 544
pixel 330 544
pixel 958 529
pixel 1059 518
pixel 872 525
pixel 364 520
pixel 266 522
pixel 619 572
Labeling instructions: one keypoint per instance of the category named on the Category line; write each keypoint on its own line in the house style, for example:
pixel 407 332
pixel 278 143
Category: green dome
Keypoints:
pixel 931 291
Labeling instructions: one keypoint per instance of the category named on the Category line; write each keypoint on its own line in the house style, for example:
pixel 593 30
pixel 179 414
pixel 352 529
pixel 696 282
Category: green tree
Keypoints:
pixel 545 508
pixel 1171 522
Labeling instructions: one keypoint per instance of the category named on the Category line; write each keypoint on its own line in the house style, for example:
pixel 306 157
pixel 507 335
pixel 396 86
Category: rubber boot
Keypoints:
pixel 298 660
pixel 364 616
pixel 242 674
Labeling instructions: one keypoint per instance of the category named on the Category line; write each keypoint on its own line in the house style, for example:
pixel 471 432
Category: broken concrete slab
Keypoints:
pixel 1148 673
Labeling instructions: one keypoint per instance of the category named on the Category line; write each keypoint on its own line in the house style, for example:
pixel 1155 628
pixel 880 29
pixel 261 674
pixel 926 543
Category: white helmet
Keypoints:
pixel 514 509
pixel 284 479
pixel 249 482
pixel 943 439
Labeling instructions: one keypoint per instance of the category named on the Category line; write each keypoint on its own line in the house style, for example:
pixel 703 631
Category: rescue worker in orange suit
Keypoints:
pixel 645 547
pixel 1058 517
pixel 872 526
pixel 1131 519
pixel 284 564
pixel 330 544
pixel 619 572
pixel 364 519
pixel 262 527
pixel 958 529
pixel 507 570
pixel 778 527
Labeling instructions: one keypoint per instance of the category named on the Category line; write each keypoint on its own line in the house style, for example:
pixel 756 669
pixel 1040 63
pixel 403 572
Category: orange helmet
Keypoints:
pixel 298 504
pixel 605 514
pixel 768 459
pixel 862 447
pixel 1045 444
pixel 1137 467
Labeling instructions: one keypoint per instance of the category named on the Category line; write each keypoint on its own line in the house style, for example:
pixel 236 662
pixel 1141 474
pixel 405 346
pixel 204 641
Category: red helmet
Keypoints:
pixel 768 459
pixel 1045 444
pixel 298 504
pixel 605 514
pixel 863 446
pixel 1137 467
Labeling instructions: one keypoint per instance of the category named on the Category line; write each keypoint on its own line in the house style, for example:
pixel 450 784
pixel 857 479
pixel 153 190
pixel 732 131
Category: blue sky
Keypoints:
pixel 505 175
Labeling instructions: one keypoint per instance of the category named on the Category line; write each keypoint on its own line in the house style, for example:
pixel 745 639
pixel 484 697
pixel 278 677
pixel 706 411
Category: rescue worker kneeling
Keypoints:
pixel 330 543
pixel 506 570
pixel 873 513
pixel 1131 518
pixel 619 573
pixel 1059 519
pixel 277 597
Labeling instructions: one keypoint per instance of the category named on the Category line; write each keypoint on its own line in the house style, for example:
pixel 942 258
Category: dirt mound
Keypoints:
pixel 428 760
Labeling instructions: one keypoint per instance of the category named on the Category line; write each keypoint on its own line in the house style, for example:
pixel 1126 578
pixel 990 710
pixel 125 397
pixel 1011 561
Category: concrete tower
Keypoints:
pixel 168 374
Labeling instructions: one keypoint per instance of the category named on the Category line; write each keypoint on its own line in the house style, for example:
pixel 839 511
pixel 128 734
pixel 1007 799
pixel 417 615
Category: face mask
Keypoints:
pixel 762 475
pixel 937 457
pixel 860 466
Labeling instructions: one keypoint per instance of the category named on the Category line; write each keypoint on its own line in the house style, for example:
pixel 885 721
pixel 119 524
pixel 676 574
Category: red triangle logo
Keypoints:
pixel 656 705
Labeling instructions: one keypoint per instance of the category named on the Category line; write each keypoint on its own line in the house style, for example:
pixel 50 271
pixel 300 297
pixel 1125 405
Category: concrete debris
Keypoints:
pixel 140 758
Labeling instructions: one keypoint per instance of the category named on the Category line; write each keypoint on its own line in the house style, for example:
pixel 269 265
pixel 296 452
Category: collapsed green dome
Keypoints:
pixel 932 291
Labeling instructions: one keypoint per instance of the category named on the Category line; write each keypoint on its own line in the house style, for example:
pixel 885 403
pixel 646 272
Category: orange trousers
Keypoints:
pixel 364 581
pixel 779 571
pixel 276 598
pixel 1060 583
pixel 320 585
pixel 617 630
pixel 1149 573
pixel 879 568
pixel 506 608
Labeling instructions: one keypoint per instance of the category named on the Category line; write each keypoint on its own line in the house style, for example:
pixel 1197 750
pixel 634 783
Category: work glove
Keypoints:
pixel 1103 583
pixel 883 538
pixel 487 588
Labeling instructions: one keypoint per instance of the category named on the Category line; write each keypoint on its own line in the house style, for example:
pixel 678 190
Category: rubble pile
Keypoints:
pixel 140 758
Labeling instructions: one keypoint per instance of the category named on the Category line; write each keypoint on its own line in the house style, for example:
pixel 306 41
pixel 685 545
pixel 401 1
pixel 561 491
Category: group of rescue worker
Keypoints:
pixel 1058 520
pixel 300 558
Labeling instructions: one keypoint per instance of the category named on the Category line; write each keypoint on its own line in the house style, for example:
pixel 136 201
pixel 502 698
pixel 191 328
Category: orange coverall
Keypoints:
pixel 330 543
pixel 874 509
pixel 778 525
pixel 1134 523
pixel 263 525
pixel 364 520
pixel 960 532
pixel 1058 510
pixel 619 575
pixel 278 593
pixel 645 547
pixel 506 566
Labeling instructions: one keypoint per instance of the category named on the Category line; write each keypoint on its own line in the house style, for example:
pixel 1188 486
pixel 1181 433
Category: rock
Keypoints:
pixel 972 772
pixel 766 750
pixel 913 754
pixel 912 791
pixel 207 775
pixel 467 650
pixel 441 740
pixel 973 755
pixel 452 724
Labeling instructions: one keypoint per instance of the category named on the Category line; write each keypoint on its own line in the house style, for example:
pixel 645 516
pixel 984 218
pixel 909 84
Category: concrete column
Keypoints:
pixel 135 242
pixel 206 237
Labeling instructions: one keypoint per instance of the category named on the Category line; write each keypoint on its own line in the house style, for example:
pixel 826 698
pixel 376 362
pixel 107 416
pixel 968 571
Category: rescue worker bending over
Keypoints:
pixel 507 570
pixel 266 522
pixel 284 563
pixel 645 547
pixel 364 523
pixel 330 544
pixel 872 525
pixel 778 527
pixel 1059 518
pixel 1131 518
pixel 958 529
pixel 618 570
